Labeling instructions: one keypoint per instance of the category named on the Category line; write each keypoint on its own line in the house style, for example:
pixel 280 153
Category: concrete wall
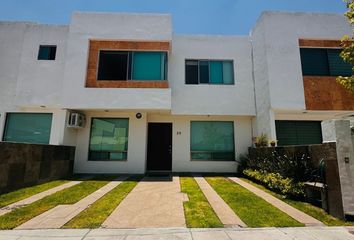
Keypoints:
pixel 111 26
pixel 137 143
pixel 339 131
pixel 202 99
pixel 23 165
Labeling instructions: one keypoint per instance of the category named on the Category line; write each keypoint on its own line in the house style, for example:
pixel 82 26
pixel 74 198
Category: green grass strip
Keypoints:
pixel 18 195
pixel 198 212
pixel 66 196
pixel 97 213
pixel 307 208
pixel 253 210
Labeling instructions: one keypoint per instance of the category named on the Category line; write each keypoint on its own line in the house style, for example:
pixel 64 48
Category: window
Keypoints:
pixel 109 139
pixel 212 141
pixel 47 52
pixel 298 132
pixel 209 72
pixel 28 127
pixel 323 62
pixel 122 66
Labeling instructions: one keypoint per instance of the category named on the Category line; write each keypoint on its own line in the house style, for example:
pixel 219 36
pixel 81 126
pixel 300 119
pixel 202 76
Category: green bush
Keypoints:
pixel 296 165
pixel 276 182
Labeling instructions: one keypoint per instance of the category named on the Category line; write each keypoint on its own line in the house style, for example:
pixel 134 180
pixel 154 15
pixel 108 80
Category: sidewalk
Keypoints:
pixel 303 233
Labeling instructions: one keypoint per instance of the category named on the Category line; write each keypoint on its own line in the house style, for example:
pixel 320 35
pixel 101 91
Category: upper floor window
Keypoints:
pixel 209 72
pixel 323 62
pixel 47 52
pixel 124 65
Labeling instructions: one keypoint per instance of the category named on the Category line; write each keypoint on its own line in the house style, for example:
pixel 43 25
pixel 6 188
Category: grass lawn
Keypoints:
pixel 95 215
pixel 307 208
pixel 15 196
pixel 253 210
pixel 198 212
pixel 66 196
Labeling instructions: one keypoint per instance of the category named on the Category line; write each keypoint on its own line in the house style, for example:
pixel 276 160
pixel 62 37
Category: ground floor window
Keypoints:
pixel 298 132
pixel 212 140
pixel 28 127
pixel 108 139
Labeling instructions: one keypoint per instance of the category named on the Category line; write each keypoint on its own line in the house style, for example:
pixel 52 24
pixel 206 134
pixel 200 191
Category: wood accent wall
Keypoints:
pixel 319 43
pixel 323 92
pixel 92 67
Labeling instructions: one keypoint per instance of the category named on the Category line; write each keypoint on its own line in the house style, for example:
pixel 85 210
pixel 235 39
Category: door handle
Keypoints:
pixel 170 149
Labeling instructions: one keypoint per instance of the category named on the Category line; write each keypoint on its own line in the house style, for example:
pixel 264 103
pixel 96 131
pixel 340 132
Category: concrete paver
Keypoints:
pixel 150 204
pixel 298 233
pixel 226 215
pixel 58 216
pixel 286 208
pixel 36 197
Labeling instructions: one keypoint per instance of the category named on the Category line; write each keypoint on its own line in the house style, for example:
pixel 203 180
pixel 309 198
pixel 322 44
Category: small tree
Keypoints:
pixel 348 48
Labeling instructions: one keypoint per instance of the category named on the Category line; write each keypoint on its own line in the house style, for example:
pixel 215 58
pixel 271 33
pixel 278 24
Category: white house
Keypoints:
pixel 134 97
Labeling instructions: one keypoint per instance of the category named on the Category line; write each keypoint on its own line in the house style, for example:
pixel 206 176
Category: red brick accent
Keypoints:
pixel 92 65
pixel 324 93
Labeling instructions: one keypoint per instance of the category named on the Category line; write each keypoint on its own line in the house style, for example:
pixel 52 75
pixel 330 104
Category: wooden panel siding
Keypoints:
pixel 92 67
pixel 324 93
pixel 319 43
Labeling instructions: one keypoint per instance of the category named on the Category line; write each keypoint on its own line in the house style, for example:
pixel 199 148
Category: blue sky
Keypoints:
pixel 231 17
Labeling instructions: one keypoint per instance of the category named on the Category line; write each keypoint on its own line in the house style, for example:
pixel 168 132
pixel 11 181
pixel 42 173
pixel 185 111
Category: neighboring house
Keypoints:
pixel 134 97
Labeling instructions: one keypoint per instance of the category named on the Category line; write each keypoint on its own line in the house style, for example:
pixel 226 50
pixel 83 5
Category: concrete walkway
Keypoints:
pixel 286 208
pixel 226 215
pixel 306 233
pixel 61 214
pixel 150 204
pixel 36 197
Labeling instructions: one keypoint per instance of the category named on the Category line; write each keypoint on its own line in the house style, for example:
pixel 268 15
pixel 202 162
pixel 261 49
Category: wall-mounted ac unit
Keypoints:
pixel 76 120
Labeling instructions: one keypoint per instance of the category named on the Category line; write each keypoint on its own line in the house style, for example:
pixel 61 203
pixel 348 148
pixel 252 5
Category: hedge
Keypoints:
pixel 276 182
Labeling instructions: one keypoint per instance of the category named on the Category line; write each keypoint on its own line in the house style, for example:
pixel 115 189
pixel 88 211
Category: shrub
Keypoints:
pixel 297 166
pixel 277 183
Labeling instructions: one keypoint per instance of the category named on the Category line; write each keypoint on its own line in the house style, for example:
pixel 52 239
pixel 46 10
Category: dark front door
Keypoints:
pixel 159 149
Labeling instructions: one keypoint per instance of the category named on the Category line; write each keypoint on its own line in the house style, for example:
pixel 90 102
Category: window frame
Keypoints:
pixel 108 160
pixel 130 63
pixel 48 46
pixel 42 113
pixel 212 160
pixel 329 70
pixel 209 60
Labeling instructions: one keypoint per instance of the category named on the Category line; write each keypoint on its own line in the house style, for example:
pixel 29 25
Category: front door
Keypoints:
pixel 159 149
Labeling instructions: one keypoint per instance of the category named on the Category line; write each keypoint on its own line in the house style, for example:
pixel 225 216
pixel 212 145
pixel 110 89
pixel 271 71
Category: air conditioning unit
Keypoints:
pixel 76 120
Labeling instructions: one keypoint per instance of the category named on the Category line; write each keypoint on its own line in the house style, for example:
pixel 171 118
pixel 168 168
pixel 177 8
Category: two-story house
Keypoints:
pixel 133 97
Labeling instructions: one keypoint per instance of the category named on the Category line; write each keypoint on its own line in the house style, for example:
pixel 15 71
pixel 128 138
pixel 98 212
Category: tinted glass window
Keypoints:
pixel 28 127
pixel 47 52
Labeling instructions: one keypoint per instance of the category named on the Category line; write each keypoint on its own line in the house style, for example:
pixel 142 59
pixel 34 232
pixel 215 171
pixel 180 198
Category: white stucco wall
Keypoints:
pixel 181 161
pixel 237 99
pixel 281 35
pixel 111 26
pixel 137 136
pixel 40 81
pixel 137 143
pixel 277 65
pixel 11 41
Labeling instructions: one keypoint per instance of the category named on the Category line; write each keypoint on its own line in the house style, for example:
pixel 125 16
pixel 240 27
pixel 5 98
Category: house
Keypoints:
pixel 133 97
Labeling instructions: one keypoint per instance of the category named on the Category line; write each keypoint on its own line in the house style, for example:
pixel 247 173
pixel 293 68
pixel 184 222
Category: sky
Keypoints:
pixel 225 17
